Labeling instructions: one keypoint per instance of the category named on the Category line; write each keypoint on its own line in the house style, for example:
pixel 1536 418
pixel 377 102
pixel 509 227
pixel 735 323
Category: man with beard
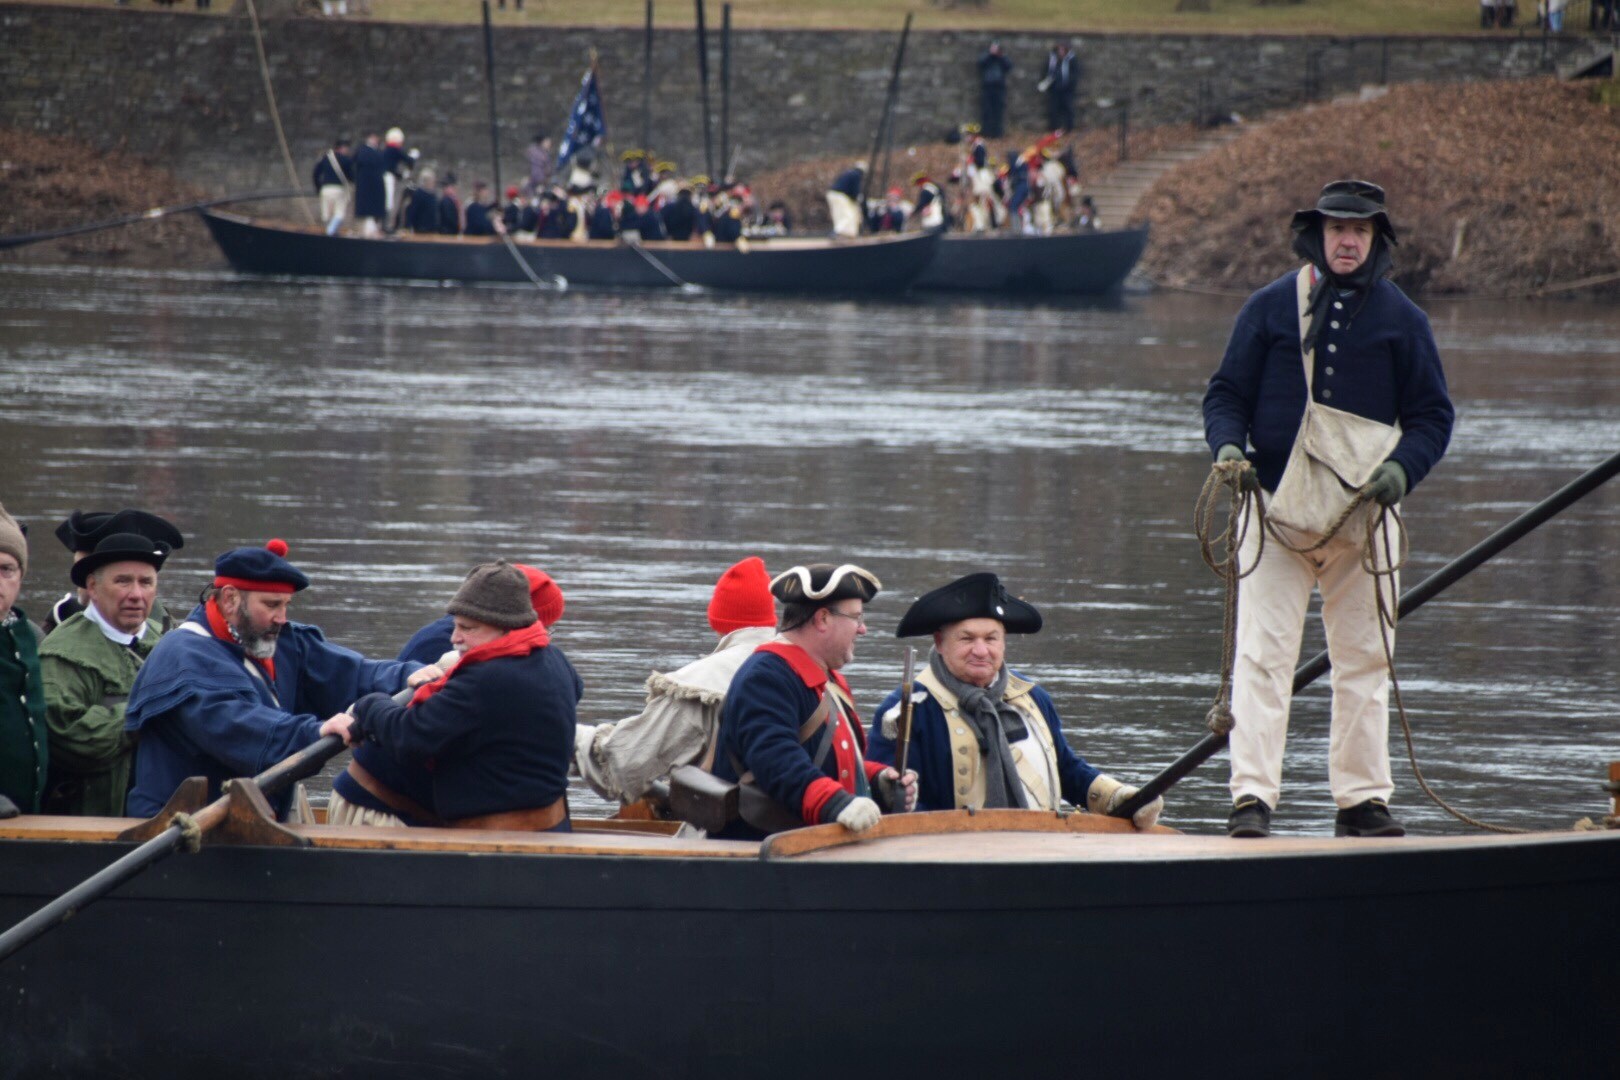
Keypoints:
pixel 1338 347
pixel 984 735
pixel 89 664
pixel 237 687
pixel 789 725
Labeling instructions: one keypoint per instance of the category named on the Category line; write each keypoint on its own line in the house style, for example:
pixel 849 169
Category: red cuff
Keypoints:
pixel 873 768
pixel 816 796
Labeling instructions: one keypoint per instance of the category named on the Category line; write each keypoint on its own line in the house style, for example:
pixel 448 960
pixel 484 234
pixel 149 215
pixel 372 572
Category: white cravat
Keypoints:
pixel 112 632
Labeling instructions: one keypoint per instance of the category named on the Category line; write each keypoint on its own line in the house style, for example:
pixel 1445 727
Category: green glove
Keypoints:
pixel 1388 483
pixel 1234 452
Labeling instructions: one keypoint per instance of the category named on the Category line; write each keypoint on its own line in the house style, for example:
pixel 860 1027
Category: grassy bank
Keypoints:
pixel 1065 16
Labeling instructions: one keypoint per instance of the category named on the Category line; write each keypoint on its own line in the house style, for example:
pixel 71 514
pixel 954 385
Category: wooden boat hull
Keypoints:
pixel 867 265
pixel 1081 263
pixel 941 955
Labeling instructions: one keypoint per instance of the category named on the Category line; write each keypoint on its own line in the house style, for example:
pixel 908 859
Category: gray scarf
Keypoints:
pixel 996 725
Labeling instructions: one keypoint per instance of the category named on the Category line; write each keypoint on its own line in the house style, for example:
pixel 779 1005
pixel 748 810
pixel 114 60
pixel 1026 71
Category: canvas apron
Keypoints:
pixel 1335 453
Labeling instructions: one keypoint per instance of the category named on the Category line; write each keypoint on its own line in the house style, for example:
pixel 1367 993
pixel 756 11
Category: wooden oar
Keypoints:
pixel 279 776
pixel 1413 599
pixel 21 239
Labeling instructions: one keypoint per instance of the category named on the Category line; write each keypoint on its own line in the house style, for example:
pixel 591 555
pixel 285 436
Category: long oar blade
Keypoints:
pixel 1414 598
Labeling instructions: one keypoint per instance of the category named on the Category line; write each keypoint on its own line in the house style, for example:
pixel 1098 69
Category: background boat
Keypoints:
pixel 937 947
pixel 878 264
pixel 1085 263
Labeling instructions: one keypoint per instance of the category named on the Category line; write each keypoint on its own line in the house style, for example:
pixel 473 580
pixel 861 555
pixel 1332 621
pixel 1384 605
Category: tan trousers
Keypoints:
pixel 845 213
pixel 1272 604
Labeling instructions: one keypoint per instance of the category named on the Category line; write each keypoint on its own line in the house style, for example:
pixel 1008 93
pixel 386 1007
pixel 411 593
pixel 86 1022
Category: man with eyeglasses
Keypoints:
pixel 24 738
pixel 790 727
pixel 983 734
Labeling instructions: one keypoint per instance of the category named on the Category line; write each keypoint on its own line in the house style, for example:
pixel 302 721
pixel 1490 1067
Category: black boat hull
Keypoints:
pixel 868 265
pixel 1479 959
pixel 1080 263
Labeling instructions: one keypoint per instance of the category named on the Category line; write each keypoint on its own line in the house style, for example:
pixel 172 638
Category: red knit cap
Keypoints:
pixel 742 598
pixel 544 594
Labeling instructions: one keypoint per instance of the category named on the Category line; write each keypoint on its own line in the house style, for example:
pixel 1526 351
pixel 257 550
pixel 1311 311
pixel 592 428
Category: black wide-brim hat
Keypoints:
pixel 824 583
pixel 1354 199
pixel 85 529
pixel 120 547
pixel 977 596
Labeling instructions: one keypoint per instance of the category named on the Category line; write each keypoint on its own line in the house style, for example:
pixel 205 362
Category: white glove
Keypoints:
pixel 1106 794
pixel 859 815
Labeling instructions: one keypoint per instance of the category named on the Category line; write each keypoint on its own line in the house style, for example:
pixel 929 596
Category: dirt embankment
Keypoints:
pixel 1495 188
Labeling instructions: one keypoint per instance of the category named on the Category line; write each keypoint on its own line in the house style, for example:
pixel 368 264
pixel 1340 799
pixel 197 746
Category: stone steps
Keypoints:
pixel 1117 193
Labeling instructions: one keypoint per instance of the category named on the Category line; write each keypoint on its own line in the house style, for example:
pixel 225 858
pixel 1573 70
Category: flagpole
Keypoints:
pixel 725 90
pixel 489 79
pixel 646 81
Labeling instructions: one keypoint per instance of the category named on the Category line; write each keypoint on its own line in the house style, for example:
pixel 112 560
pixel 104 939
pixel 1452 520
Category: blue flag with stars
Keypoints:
pixel 586 124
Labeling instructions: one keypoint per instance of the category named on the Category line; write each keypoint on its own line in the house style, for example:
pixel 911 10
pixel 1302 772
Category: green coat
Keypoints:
pixel 87 682
pixel 24 745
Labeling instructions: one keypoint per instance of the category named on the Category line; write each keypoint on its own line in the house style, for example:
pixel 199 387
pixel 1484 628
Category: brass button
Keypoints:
pixel 961 770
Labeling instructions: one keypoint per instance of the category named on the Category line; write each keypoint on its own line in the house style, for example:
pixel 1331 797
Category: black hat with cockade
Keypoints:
pixel 84 530
pixel 977 596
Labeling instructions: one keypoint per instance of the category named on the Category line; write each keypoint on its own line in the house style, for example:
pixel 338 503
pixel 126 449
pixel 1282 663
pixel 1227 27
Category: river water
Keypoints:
pixel 636 444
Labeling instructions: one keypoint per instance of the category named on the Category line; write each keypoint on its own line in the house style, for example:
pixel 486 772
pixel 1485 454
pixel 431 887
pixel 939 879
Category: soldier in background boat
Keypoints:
pixel 789 726
pixel 929 212
pixel 680 217
pixel 371 201
pixel 1374 366
pixel 451 219
pixel 236 687
pixel 843 200
pixel 24 734
pixel 334 178
pixel 681 722
pixel 421 212
pixel 83 530
pixel 499 728
pixel 983 734
pixel 398 163
pixel 481 219
pixel 89 664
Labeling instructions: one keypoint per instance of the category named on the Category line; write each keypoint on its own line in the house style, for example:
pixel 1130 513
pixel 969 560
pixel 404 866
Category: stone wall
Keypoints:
pixel 185 91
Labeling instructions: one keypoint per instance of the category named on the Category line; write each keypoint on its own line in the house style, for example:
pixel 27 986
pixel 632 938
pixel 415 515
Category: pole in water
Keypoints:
pixel 489 79
pixel 646 80
pixel 1426 590
pixel 703 79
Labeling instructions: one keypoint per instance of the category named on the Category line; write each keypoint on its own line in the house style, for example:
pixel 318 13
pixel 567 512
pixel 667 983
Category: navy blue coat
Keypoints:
pixel 370 196
pixel 497 737
pixel 479 220
pixel 931 751
pixel 430 642
pixel 1381 363
pixel 200 712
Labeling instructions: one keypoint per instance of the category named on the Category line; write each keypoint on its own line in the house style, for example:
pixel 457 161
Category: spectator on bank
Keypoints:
pixel 993 68
pixel 1061 81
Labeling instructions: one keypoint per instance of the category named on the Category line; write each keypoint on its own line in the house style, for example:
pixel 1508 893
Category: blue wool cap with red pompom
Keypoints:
pixel 260 569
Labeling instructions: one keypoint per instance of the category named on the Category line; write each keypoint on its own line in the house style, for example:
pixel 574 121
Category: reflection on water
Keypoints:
pixel 636 444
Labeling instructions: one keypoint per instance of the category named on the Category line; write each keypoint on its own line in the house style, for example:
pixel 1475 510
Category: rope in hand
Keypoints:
pixel 1248 508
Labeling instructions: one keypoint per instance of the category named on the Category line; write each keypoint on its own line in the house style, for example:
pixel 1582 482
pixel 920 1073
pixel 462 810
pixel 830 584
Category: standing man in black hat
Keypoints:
pixel 89 665
pixel 984 735
pixel 993 68
pixel 789 725
pixel 237 687
pixel 1336 349
pixel 84 529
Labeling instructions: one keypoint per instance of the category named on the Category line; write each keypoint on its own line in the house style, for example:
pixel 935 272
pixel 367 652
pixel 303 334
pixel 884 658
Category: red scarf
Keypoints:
pixel 513 643
pixel 222 630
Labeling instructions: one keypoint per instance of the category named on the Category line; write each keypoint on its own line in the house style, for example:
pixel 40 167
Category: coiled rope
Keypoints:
pixel 1245 509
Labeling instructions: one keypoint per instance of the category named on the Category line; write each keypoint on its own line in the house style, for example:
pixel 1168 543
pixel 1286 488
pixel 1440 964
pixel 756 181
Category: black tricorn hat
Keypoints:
pixel 120 547
pixel 977 596
pixel 824 583
pixel 84 530
pixel 1357 199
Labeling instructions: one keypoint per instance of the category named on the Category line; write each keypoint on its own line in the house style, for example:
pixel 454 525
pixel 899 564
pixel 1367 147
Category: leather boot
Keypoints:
pixel 1250 817
pixel 1370 818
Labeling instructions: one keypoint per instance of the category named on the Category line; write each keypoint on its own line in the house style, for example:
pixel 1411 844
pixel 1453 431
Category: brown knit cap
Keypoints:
pixel 12 541
pixel 495 593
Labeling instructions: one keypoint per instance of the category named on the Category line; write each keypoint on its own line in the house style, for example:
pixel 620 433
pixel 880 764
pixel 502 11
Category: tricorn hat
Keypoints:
pixel 83 530
pixel 977 596
pixel 823 583
pixel 120 547
pixel 1354 199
